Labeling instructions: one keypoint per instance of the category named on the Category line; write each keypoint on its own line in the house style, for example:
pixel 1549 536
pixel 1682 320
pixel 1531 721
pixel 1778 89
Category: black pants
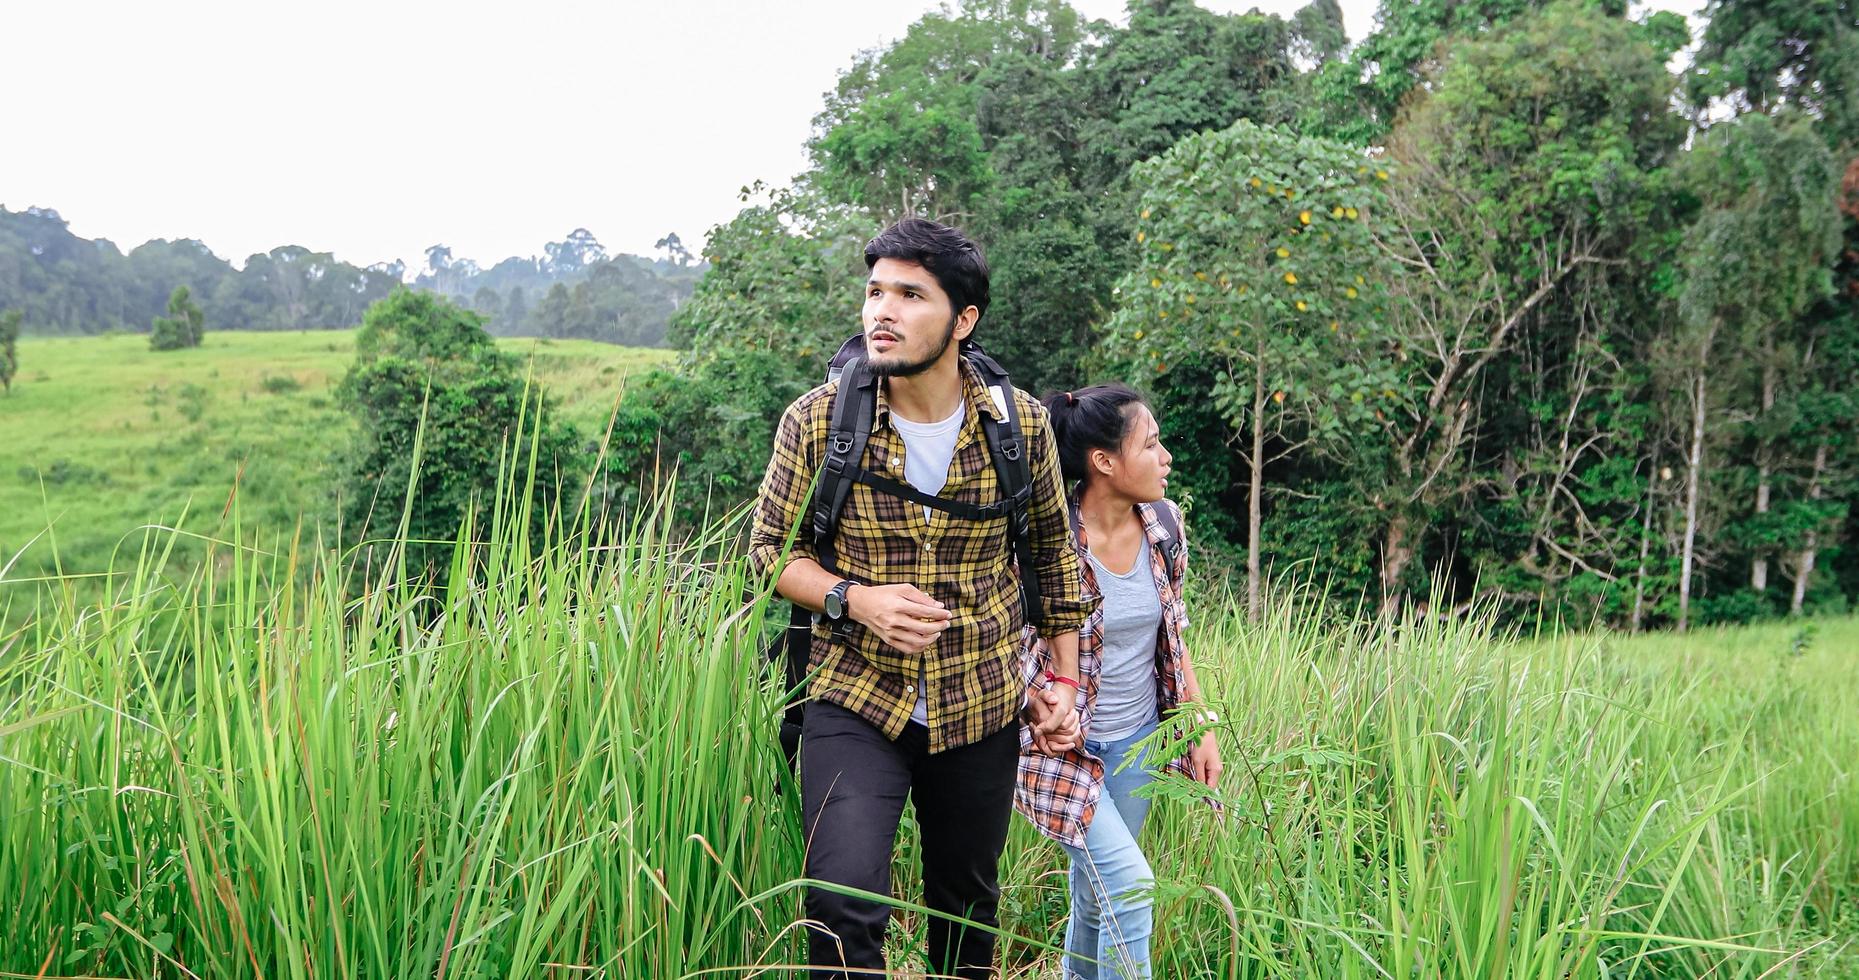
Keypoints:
pixel 853 785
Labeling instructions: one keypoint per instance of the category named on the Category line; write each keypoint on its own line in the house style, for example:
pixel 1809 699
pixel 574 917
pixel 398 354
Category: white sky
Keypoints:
pixel 374 129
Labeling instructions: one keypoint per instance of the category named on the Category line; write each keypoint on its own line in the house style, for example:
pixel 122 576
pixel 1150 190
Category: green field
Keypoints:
pixel 102 435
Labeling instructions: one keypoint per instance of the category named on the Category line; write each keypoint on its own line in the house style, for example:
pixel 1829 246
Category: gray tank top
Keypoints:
pixel 1126 696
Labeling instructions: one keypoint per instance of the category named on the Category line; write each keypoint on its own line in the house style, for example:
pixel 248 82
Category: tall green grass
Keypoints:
pixel 558 758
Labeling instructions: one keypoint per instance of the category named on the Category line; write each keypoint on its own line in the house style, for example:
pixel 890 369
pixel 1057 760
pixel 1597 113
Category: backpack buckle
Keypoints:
pixel 1010 449
pixel 842 445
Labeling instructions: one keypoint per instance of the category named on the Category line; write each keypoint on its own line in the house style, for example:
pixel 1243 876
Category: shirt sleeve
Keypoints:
pixel 1061 586
pixel 781 504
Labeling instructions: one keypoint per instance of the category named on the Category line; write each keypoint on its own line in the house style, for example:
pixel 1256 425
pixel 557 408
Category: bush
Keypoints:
pixel 442 413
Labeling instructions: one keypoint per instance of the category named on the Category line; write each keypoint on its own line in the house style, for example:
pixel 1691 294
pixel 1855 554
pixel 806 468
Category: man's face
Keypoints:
pixel 909 320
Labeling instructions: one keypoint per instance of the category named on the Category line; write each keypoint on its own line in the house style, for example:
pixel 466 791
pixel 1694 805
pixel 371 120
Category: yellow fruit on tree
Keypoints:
pixel 1283 252
pixel 1303 217
pixel 1291 278
pixel 1301 307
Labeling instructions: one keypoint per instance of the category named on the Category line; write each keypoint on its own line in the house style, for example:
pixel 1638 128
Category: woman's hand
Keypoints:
pixel 1204 761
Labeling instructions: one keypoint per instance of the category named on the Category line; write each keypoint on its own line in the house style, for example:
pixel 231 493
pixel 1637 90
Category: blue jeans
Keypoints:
pixel 1112 910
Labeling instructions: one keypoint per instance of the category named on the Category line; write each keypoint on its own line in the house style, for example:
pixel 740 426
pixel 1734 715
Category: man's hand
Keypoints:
pixel 1204 761
pixel 902 616
pixel 1053 715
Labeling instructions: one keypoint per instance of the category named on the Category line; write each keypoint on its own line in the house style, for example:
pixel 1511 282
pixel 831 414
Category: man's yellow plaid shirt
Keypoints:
pixel 975 670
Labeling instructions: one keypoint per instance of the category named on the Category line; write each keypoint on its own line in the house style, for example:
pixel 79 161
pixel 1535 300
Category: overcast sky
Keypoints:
pixel 374 129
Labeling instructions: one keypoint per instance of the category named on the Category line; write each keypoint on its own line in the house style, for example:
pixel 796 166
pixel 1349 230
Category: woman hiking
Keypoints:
pixel 1133 670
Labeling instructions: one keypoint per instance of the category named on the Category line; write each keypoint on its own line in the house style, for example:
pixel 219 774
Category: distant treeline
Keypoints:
pixel 66 285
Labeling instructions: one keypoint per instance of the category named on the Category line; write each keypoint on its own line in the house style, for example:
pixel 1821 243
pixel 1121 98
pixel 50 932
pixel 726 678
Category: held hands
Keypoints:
pixel 902 616
pixel 1053 714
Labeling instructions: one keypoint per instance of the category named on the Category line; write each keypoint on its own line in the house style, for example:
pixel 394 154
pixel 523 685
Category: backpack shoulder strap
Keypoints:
pixel 1172 545
pixel 853 406
pixel 1008 448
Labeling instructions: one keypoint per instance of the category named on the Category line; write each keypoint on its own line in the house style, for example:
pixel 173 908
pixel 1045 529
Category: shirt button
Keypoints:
pixel 910 689
pixel 895 462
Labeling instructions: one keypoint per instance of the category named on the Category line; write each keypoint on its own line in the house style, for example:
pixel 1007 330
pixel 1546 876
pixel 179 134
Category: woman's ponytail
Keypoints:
pixel 1088 419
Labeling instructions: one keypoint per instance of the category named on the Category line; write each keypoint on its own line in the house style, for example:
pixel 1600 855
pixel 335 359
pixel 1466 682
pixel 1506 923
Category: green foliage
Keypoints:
pixel 440 412
pixel 1253 254
pixel 1761 55
pixel 1757 252
pixel 9 348
pixel 184 326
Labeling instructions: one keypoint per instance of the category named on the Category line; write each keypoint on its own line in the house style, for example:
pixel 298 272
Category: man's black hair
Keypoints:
pixel 955 261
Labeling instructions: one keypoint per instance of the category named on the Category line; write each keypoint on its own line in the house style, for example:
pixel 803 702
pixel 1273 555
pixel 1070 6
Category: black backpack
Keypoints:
pixel 855 406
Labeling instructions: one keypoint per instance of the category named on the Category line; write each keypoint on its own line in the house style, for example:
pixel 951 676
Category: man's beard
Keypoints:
pixel 910 369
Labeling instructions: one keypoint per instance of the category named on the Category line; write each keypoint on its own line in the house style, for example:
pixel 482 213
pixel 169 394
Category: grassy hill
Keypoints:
pixel 101 435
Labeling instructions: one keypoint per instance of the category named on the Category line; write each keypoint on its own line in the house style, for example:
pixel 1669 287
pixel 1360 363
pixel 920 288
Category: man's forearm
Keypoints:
pixel 804 582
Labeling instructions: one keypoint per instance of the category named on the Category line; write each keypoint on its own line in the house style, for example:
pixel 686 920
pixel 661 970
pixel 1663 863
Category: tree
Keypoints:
pixel 1754 260
pixel 9 348
pixel 1763 55
pixel 489 305
pixel 426 375
pixel 184 326
pixel 1530 162
pixel 674 250
pixel 1254 259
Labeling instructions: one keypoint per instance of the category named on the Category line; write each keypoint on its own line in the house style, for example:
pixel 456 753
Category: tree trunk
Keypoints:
pixel 1639 579
pixel 1694 465
pixel 1804 567
pixel 1254 517
pixel 1396 551
pixel 1759 567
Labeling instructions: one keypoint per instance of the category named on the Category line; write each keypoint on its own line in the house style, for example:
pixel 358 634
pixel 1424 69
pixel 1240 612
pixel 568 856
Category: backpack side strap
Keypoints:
pixel 1015 471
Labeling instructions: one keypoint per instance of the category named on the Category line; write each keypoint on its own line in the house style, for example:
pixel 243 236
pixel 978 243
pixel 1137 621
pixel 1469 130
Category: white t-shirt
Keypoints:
pixel 929 447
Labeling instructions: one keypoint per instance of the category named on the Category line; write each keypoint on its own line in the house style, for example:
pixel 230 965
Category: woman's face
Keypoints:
pixel 1139 470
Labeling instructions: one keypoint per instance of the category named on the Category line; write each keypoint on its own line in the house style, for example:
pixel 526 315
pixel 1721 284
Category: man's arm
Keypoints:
pixel 1055 558
pixel 1061 586
pixel 902 616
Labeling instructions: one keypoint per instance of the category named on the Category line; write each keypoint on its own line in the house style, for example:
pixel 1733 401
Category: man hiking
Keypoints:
pixel 918 682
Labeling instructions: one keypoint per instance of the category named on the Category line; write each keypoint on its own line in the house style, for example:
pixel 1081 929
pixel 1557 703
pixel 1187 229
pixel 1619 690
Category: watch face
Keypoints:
pixel 835 605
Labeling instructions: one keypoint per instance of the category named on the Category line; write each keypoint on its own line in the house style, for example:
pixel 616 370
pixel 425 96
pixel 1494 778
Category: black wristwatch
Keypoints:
pixel 836 607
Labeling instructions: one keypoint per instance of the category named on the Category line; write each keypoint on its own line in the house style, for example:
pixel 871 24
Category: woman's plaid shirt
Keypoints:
pixel 974 669
pixel 1058 793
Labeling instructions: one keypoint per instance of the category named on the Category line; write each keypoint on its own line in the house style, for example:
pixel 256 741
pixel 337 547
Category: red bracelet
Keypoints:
pixel 1052 678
